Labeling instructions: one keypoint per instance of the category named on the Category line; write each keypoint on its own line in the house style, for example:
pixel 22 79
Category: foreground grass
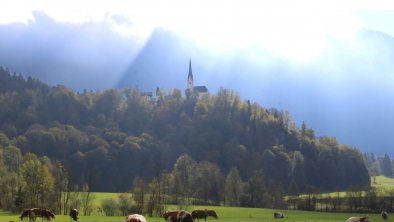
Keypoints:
pixel 226 214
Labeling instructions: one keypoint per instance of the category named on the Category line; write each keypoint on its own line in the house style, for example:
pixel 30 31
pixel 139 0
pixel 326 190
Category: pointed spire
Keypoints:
pixel 190 68
pixel 190 84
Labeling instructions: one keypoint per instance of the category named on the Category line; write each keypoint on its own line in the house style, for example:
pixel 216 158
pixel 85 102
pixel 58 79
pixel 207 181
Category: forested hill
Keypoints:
pixel 113 136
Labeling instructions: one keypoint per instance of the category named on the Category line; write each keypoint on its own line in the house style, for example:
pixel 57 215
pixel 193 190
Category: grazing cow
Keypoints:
pixel 358 219
pixel 385 215
pixel 200 214
pixel 278 215
pixel 212 213
pixel 184 216
pixel 43 213
pixel 74 214
pixel 32 213
pixel 203 214
pixel 171 216
pixel 25 213
pixel 135 218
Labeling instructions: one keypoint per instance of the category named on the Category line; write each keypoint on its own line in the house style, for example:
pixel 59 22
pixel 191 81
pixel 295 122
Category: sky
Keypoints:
pixel 222 24
pixel 318 41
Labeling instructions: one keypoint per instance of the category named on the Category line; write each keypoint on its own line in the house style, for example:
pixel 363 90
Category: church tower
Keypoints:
pixel 190 84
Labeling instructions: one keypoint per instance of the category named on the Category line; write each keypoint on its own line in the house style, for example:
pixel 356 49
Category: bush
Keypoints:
pixel 109 206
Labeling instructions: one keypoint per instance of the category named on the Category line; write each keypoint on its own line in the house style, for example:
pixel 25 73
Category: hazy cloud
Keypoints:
pixel 68 53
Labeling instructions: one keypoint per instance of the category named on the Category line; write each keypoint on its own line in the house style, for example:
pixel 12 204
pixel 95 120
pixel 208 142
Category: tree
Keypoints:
pixel 12 158
pixel 298 173
pixel 139 192
pixel 109 206
pixel 387 168
pixel 233 188
pixel 155 208
pixel 39 181
pixel 255 189
pixel 124 203
pixel 207 183
pixel 184 168
pixel 4 141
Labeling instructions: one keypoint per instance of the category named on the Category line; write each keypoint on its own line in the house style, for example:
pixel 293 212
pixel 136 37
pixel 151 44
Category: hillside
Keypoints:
pixel 108 139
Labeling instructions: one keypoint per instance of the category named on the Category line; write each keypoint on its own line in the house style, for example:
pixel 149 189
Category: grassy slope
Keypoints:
pixel 97 197
pixel 382 182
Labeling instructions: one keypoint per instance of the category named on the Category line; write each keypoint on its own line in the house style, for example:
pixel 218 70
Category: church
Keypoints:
pixel 191 89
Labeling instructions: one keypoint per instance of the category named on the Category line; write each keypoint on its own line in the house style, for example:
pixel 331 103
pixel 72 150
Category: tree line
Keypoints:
pixel 379 165
pixel 104 140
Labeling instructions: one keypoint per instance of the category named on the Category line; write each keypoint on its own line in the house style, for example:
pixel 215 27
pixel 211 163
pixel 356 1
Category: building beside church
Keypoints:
pixel 191 89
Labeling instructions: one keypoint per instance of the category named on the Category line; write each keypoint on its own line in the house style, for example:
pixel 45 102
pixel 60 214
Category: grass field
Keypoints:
pixel 382 182
pixel 230 214
pixel 97 197
pixel 226 214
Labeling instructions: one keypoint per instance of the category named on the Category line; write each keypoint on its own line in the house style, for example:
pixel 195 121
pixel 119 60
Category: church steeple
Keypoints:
pixel 190 83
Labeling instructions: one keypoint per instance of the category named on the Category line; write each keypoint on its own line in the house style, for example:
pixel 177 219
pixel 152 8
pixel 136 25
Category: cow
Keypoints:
pixel 25 213
pixel 74 214
pixel 43 213
pixel 135 218
pixel 184 216
pixel 278 215
pixel 32 213
pixel 385 215
pixel 212 213
pixel 358 219
pixel 171 216
pixel 200 214
pixel 203 214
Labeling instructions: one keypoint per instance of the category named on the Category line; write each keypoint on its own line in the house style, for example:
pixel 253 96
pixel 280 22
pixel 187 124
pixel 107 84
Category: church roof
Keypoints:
pixel 201 89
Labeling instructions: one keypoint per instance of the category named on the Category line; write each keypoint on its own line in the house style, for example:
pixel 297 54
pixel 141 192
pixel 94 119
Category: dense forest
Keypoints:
pixel 106 140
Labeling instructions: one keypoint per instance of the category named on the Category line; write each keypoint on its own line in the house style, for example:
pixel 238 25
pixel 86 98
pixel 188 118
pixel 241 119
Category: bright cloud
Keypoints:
pixel 293 29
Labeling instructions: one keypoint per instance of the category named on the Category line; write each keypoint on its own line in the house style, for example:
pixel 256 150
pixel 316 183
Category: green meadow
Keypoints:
pixel 226 214
pixel 382 182
pixel 229 214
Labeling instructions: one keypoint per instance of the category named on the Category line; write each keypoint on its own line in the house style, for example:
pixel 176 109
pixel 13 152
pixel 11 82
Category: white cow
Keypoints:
pixel 278 215
pixel 359 219
pixel 135 218
pixel 385 215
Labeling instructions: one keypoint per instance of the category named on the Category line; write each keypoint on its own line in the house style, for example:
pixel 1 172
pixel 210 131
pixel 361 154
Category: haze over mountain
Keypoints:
pixel 345 91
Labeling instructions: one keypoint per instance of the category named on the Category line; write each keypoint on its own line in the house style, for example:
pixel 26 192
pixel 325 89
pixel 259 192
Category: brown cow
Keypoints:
pixel 32 213
pixel 135 218
pixel 74 214
pixel 25 213
pixel 212 213
pixel 171 216
pixel 43 213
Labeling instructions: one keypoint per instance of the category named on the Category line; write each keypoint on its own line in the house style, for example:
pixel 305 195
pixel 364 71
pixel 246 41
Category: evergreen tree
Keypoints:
pixel 387 168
